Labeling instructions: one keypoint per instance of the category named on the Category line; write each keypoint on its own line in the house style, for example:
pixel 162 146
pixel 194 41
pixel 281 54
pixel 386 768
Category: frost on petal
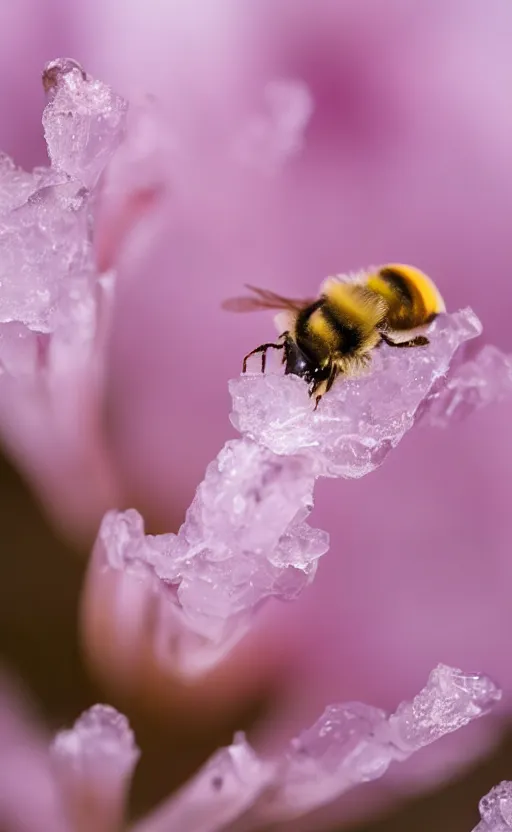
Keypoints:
pixel 54 304
pixel 44 253
pixel 83 121
pixel 355 743
pixel 350 744
pixel 361 419
pixel 94 763
pixel 496 809
pixel 246 537
pixel 449 701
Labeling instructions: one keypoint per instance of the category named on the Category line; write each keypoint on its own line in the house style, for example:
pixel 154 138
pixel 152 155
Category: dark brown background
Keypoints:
pixel 40 580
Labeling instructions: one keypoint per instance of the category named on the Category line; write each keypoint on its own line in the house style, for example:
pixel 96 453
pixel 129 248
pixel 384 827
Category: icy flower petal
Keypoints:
pixel 350 744
pixel 496 809
pixel 244 538
pixel 55 306
pixel 360 420
pixel 83 122
pixel 354 743
pixel 449 701
pixel 94 763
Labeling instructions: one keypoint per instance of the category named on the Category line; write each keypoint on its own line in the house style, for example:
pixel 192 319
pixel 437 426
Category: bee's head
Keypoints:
pixel 297 363
pixel 305 366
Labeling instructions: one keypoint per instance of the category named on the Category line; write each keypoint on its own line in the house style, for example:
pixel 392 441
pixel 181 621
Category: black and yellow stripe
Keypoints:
pixel 412 299
pixel 342 322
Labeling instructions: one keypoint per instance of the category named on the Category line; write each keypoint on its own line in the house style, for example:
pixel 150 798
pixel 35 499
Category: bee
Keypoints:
pixel 335 334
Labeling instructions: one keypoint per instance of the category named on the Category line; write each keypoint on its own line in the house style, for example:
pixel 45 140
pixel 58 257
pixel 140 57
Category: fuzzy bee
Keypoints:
pixel 335 334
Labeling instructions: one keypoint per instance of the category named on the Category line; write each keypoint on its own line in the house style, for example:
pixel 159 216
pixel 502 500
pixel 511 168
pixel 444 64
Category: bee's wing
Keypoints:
pixel 263 299
pixel 348 277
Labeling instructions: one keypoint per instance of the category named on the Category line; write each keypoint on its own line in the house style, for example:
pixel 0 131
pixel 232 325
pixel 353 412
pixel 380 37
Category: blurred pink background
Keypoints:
pixel 406 158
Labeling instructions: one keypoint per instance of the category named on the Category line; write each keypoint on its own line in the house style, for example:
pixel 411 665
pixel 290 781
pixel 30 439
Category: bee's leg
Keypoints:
pixel 419 341
pixel 286 346
pixel 264 354
pixel 334 373
pixel 263 349
pixel 325 384
pixel 312 390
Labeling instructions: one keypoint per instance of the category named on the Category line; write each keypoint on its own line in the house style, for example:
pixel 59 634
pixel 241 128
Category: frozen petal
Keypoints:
pixel 55 306
pixel 245 538
pixel 94 763
pixel 496 809
pixel 449 701
pixel 360 420
pixel 83 121
pixel 350 744
pixel 354 743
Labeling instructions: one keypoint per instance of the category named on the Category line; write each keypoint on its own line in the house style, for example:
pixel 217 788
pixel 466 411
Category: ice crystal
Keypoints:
pixel 360 420
pixel 100 738
pixel 83 122
pixel 496 809
pixel 54 302
pixel 350 744
pixel 46 258
pixel 94 762
pixel 246 536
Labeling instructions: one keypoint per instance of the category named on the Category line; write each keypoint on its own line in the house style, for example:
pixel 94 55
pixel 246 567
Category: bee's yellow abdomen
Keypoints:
pixel 421 283
pixel 412 297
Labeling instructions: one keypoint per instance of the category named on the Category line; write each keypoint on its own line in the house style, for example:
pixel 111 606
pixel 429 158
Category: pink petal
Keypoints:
pixel 30 800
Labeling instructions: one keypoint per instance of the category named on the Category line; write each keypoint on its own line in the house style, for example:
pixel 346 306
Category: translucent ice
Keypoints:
pixel 46 256
pixel 355 743
pixel 245 537
pixel 360 420
pixel 100 739
pixel 83 122
pixel 55 303
pixel 350 744
pixel 496 809
pixel 43 243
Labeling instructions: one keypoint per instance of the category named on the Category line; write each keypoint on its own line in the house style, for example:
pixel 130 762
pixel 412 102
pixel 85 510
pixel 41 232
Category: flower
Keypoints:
pixel 81 781
pixel 342 160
